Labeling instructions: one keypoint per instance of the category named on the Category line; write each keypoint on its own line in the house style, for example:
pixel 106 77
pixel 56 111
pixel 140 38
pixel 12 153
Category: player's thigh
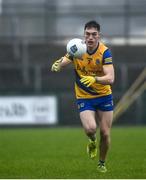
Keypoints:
pixel 88 119
pixel 105 120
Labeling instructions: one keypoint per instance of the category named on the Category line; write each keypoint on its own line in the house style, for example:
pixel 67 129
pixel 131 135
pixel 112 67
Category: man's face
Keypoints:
pixel 91 37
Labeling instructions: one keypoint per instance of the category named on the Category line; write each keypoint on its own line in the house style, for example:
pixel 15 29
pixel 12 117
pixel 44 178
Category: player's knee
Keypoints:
pixel 105 135
pixel 91 129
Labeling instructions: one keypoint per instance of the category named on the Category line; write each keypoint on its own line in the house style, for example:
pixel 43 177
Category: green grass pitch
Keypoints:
pixel 61 153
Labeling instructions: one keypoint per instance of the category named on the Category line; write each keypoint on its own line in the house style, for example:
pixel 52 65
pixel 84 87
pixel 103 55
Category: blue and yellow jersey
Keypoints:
pixel 92 65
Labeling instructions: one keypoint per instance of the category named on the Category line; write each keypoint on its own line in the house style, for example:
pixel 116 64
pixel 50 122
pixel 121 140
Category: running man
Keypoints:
pixel 94 75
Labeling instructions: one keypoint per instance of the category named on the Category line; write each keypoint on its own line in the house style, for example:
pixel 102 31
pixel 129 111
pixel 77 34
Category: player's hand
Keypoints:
pixel 56 66
pixel 88 80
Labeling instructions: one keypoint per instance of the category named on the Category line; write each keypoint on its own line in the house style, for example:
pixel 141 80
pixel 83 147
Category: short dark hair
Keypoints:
pixel 93 24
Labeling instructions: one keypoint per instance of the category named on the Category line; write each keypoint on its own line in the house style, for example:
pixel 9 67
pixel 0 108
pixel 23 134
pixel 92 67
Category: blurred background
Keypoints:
pixel 34 33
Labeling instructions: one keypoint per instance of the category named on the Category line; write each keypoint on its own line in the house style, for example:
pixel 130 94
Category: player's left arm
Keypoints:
pixel 109 75
pixel 108 69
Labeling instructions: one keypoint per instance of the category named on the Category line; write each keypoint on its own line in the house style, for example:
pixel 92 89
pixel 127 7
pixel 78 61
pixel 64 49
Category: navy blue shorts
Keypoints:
pixel 104 103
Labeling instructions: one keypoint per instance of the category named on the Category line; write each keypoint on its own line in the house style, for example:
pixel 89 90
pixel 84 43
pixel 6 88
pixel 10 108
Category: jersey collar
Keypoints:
pixel 91 53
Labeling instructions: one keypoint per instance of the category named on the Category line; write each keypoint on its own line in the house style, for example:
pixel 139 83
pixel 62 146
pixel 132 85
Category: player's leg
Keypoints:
pixel 105 123
pixel 89 124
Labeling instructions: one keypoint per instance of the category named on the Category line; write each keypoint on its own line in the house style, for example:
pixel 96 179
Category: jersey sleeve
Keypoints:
pixel 107 57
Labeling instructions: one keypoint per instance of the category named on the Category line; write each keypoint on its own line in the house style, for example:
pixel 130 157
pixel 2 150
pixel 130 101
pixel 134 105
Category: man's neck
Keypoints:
pixel 92 50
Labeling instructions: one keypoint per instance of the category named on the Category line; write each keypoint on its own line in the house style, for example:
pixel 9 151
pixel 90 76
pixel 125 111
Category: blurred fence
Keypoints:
pixel 34 33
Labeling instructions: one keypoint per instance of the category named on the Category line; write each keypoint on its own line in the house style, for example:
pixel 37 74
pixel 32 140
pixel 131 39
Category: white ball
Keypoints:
pixel 76 47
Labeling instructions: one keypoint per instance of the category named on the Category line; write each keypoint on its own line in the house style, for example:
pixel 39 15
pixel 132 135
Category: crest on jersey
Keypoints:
pixel 97 61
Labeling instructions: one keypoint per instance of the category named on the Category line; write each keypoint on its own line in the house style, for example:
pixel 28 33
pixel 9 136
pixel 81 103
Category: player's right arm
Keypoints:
pixel 60 63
